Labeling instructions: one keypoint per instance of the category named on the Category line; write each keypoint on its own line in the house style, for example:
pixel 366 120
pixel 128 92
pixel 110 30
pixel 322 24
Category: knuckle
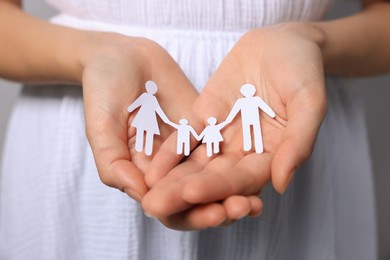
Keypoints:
pixel 106 178
pixel 306 154
pixel 323 106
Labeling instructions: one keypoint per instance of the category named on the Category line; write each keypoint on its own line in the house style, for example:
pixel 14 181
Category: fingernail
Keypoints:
pixel 133 194
pixel 242 216
pixel 289 178
pixel 258 214
pixel 149 215
pixel 223 222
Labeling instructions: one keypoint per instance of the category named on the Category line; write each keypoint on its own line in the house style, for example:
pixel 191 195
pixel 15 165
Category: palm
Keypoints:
pixel 112 81
pixel 287 73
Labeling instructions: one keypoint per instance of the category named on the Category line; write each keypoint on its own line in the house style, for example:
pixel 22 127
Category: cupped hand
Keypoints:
pixel 116 68
pixel 114 77
pixel 284 62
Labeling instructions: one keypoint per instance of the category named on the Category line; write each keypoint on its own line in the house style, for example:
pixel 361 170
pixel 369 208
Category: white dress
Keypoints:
pixel 53 205
pixel 211 134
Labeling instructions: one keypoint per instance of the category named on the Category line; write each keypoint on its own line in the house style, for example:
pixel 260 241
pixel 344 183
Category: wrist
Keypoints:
pixel 85 48
pixel 101 48
pixel 318 33
pixel 69 56
pixel 312 32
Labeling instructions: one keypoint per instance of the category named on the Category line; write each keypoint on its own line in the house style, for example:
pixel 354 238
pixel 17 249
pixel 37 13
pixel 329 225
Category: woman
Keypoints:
pixel 63 211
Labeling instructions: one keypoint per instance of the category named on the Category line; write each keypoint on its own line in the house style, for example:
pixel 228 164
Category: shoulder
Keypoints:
pixel 143 96
pixel 240 101
pixel 257 98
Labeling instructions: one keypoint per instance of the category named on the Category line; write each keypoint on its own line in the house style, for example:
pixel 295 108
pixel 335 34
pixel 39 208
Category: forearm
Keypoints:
pixel 358 45
pixel 33 50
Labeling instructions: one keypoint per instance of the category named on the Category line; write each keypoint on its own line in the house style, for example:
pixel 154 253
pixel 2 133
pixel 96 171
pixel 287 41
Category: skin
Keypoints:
pixel 201 192
pixel 287 64
pixel 112 70
pixel 298 99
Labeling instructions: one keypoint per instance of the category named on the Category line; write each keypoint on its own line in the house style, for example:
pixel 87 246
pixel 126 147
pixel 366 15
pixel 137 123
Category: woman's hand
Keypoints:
pixel 114 76
pixel 284 62
pixel 116 68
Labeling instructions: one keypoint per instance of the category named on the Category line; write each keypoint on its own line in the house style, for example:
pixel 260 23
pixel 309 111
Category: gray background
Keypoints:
pixel 374 91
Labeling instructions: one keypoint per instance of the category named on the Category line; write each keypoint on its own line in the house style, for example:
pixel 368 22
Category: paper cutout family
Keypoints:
pixel 146 124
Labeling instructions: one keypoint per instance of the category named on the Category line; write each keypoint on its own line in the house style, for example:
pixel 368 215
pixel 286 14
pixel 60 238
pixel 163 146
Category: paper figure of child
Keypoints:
pixel 184 132
pixel 145 122
pixel 249 106
pixel 212 136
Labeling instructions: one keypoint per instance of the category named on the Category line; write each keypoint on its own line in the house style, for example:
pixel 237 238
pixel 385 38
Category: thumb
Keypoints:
pixel 305 112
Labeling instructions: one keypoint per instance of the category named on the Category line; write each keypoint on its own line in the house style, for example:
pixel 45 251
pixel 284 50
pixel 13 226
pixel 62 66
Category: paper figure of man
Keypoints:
pixel 249 107
pixel 145 122
pixel 184 132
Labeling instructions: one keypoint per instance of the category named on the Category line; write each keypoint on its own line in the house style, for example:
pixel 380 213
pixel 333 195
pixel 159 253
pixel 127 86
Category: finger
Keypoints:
pixel 256 205
pixel 109 145
pixel 197 218
pixel 306 112
pixel 237 207
pixel 248 176
pixel 167 158
pixel 164 160
pixel 164 198
pixel 121 174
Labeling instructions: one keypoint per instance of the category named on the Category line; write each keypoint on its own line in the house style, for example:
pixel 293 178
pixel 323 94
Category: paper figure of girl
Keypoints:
pixel 212 136
pixel 184 132
pixel 145 122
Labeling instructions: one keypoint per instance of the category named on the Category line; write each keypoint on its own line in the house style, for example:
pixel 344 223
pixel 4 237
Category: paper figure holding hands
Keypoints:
pixel 145 122
pixel 249 106
pixel 184 132
pixel 212 136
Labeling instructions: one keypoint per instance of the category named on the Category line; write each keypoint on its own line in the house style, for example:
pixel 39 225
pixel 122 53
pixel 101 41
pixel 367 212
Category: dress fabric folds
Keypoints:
pixel 53 205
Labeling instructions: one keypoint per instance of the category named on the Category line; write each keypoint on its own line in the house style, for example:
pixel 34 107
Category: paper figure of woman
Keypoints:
pixel 145 122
